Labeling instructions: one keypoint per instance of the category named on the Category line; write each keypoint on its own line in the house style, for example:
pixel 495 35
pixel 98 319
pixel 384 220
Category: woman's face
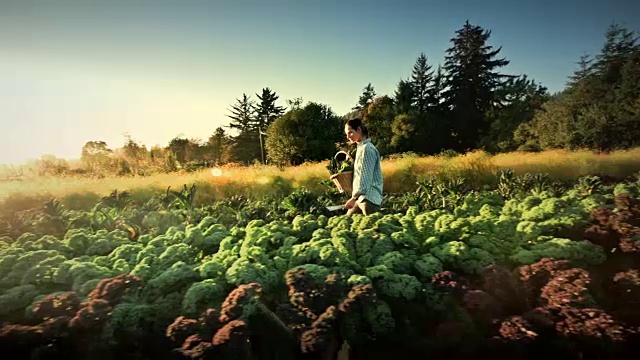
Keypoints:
pixel 354 136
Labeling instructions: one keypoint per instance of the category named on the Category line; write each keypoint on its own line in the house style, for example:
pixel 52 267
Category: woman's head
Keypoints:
pixel 355 130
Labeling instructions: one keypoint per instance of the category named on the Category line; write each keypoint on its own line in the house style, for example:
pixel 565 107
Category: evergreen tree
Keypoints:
pixel 368 94
pixel 403 97
pixel 600 110
pixel 421 85
pixel 438 87
pixel 584 71
pixel 517 101
pixel 218 143
pixel 620 44
pixel 266 112
pixel 246 144
pixel 471 81
pixel 242 114
pixel 435 129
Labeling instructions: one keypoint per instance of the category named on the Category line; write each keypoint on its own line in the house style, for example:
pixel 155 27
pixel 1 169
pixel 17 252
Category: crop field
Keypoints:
pixel 513 256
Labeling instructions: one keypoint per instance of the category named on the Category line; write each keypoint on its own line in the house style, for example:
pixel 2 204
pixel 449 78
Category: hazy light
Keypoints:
pixel 216 172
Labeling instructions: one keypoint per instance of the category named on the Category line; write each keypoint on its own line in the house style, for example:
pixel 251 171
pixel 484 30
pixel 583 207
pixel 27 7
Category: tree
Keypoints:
pixel 135 154
pixel 583 73
pixel 95 156
pixel 306 134
pixel 379 119
pixel 265 113
pixel 438 88
pixel 418 97
pixel 246 144
pixel 162 159
pixel 49 165
pixel 403 130
pixel 368 94
pixel 218 144
pixel 620 44
pixel 243 114
pixel 185 150
pixel 295 103
pixel 403 97
pixel 470 84
pixel 421 85
pixel 551 127
pixel 599 108
pixel 517 101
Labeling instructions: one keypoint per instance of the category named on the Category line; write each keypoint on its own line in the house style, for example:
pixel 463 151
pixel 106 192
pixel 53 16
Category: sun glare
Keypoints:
pixel 216 172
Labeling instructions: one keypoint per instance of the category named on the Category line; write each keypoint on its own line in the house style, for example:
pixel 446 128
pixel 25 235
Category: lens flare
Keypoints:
pixel 216 172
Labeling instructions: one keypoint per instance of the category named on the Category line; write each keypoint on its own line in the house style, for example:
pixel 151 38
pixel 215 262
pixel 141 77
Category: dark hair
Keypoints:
pixel 356 124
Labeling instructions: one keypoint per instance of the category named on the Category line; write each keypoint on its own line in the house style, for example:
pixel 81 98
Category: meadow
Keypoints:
pixel 401 172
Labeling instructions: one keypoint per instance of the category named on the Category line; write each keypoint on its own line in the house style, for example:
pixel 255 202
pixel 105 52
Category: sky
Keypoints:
pixel 78 71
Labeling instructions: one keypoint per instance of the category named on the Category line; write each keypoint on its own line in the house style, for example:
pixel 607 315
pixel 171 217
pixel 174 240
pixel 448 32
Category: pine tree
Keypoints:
pixel 421 84
pixel 599 111
pixel 438 86
pixel 620 44
pixel 471 81
pixel 403 97
pixel 266 112
pixel 517 101
pixel 368 94
pixel 218 143
pixel 243 114
pixel 245 145
pixel 584 70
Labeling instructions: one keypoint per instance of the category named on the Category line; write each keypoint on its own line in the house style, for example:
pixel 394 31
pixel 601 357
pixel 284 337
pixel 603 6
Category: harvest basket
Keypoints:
pixel 343 181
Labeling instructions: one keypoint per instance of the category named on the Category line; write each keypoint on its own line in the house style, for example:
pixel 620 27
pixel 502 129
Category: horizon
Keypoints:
pixel 75 72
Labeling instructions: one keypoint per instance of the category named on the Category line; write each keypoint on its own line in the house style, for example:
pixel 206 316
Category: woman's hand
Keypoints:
pixel 350 203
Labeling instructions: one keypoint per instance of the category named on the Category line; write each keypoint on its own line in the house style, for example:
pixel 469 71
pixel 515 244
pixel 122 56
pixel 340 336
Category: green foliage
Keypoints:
pixel 247 268
pixel 519 98
pixel 368 94
pixel 341 162
pixel 378 119
pixel 599 108
pixel 246 144
pixel 472 81
pixel 306 134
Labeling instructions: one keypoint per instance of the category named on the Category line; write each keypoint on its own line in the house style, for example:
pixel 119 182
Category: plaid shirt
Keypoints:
pixel 367 174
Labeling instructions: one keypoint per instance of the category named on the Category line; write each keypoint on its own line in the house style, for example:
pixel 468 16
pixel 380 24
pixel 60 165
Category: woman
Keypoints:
pixel 366 196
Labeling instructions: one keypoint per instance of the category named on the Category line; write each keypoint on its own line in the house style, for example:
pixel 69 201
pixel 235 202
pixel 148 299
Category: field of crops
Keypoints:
pixel 531 267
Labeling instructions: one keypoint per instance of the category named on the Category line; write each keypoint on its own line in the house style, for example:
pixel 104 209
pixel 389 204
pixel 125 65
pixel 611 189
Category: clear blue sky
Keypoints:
pixel 75 71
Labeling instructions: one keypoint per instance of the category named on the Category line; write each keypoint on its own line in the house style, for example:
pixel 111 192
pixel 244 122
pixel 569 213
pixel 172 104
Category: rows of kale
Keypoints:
pixel 382 272
pixel 121 211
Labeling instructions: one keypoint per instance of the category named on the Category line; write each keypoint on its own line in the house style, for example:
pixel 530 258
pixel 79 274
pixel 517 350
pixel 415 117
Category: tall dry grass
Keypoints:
pixel 400 174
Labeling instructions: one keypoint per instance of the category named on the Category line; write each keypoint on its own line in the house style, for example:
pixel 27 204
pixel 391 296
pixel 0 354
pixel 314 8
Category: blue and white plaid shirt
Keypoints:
pixel 367 174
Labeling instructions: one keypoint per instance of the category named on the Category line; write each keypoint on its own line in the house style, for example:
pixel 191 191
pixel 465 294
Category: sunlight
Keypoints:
pixel 216 172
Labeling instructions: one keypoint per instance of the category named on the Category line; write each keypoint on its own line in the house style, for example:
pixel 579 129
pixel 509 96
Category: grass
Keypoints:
pixel 400 174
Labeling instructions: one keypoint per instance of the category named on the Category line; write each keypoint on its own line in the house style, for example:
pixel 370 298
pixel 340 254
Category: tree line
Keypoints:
pixel 463 104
